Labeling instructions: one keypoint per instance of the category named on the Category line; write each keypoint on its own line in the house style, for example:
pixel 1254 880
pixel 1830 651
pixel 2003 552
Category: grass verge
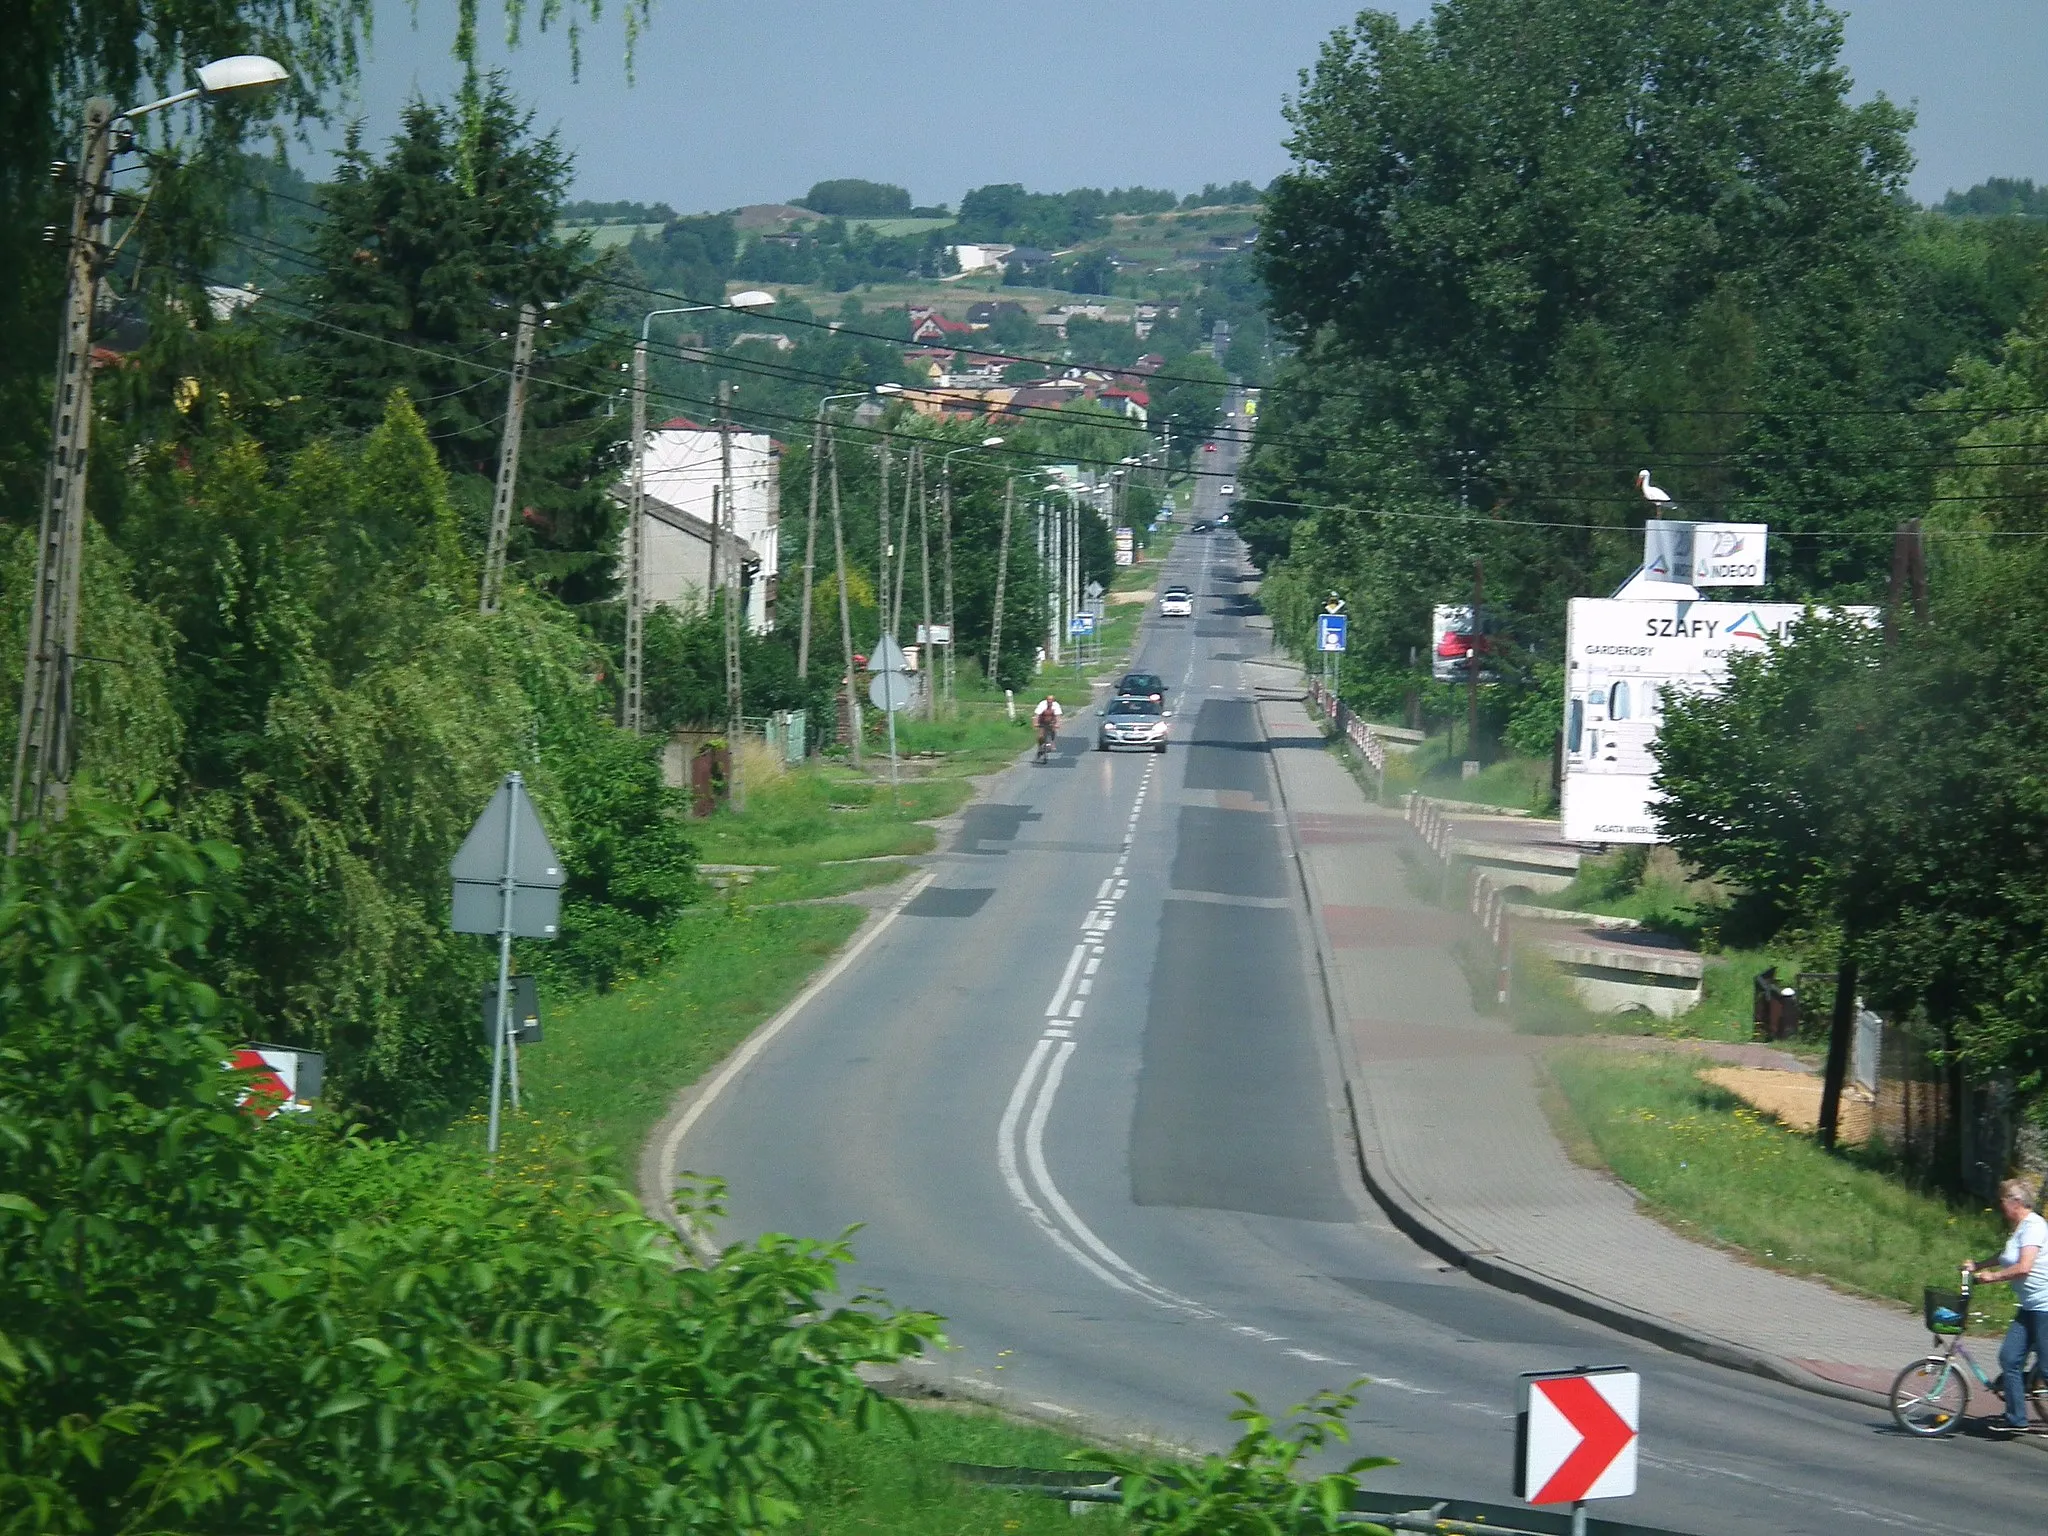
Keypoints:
pixel 610 1063
pixel 1711 1167
pixel 1522 783
pixel 897 1480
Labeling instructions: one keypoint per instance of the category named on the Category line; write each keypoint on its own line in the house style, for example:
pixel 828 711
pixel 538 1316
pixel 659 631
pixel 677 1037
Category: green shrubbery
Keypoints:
pixel 221 1324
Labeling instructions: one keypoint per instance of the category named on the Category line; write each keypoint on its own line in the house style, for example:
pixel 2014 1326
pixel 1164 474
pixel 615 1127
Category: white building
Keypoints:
pixel 684 473
pixel 979 258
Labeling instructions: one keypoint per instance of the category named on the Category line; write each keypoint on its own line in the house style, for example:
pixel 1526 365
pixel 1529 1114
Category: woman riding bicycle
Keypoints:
pixel 1047 714
pixel 2021 1263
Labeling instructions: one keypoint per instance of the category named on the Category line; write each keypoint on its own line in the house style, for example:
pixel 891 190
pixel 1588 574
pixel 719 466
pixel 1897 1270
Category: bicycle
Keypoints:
pixel 1047 734
pixel 1930 1397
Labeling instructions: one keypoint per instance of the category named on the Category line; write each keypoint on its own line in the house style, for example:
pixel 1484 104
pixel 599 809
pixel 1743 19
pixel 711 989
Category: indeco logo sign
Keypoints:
pixel 1706 554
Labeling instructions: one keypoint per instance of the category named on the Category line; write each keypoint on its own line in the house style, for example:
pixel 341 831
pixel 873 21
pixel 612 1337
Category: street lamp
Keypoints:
pixel 946 545
pixel 42 749
pixel 636 614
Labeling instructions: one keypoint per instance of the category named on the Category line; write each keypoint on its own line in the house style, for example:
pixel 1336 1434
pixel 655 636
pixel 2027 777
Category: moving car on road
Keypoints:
pixel 1140 685
pixel 1177 603
pixel 1133 722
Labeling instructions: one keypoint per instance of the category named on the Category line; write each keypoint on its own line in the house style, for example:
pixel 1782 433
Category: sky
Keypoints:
pixel 731 105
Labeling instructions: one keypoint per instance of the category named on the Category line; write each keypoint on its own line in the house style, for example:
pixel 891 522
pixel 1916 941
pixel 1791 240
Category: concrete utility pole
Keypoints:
pixel 882 535
pixel 803 641
pixel 1472 660
pixel 913 486
pixel 42 745
pixel 845 613
pixel 42 749
pixel 735 600
pixel 492 590
pixel 636 525
pixel 803 632
pixel 930 652
pixel 995 623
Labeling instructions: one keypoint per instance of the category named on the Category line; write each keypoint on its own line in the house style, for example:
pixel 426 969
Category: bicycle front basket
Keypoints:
pixel 1944 1310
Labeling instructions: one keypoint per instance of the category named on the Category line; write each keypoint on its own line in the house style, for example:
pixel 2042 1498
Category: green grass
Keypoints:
pixel 817 882
pixel 610 1063
pixel 1711 1167
pixel 897 1481
pixel 1519 783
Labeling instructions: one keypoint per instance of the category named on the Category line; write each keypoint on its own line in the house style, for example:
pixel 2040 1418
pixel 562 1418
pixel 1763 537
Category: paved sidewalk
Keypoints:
pixel 1456 1144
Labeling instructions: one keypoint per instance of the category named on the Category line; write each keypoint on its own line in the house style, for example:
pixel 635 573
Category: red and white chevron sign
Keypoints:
pixel 1578 1435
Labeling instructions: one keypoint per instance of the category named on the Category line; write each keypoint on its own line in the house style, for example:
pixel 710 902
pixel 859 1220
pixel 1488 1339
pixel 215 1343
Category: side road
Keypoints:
pixel 1454 1141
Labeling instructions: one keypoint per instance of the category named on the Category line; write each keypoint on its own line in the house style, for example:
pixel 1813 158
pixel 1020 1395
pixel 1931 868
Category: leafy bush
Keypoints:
pixel 220 1324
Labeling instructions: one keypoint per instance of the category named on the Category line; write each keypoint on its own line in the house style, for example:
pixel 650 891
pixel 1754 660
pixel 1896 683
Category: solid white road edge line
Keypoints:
pixel 762 1038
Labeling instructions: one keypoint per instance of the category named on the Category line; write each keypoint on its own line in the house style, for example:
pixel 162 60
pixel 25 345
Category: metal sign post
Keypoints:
pixel 508 882
pixel 889 691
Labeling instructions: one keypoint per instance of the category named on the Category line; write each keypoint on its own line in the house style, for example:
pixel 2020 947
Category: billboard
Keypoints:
pixel 1455 639
pixel 1706 554
pixel 1622 659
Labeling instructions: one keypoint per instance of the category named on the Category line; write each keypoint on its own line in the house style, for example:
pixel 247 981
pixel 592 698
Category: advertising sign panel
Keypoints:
pixel 1455 639
pixel 1126 546
pixel 1706 554
pixel 1622 660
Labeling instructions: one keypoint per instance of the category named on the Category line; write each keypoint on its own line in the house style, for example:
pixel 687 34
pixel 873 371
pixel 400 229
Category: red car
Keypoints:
pixel 1208 447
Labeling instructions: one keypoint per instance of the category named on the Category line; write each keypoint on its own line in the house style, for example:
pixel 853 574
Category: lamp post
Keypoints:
pixel 946 547
pixel 43 745
pixel 636 506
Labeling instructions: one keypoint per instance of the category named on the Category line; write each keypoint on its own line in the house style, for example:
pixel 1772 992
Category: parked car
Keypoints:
pixel 1177 603
pixel 1133 722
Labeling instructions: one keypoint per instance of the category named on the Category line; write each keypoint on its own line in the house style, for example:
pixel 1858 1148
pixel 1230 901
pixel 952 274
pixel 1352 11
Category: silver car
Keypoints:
pixel 1139 723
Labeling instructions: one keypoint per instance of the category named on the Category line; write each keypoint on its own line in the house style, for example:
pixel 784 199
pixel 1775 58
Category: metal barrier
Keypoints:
pixel 1353 730
pixel 1391 1511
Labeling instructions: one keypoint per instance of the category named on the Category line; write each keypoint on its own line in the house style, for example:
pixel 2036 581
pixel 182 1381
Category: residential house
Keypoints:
pixel 985 314
pixel 928 326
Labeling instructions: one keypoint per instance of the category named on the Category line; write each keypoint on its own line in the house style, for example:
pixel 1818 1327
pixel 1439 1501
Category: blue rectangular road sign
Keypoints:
pixel 1081 624
pixel 1332 630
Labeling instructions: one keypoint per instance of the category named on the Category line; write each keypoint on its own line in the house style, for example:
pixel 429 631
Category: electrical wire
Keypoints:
pixel 1475 522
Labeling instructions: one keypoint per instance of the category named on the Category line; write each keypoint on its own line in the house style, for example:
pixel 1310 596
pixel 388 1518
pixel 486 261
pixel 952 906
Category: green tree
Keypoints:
pixel 474 1348
pixel 424 261
pixel 857 199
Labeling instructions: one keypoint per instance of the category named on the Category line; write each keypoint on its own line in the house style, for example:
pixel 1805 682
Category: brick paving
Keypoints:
pixel 1451 1126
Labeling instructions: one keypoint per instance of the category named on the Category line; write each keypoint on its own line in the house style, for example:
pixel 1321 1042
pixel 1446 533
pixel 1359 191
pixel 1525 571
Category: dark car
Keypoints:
pixel 1132 722
pixel 1140 685
pixel 1202 527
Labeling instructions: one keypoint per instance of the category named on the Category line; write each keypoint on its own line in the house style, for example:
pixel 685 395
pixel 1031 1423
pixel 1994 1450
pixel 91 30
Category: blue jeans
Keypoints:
pixel 2029 1330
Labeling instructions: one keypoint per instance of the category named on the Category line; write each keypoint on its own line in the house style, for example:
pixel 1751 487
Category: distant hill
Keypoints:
pixel 1999 197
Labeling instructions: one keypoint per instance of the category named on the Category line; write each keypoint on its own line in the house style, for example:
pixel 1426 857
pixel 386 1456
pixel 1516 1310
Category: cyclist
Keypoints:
pixel 1047 714
pixel 2021 1263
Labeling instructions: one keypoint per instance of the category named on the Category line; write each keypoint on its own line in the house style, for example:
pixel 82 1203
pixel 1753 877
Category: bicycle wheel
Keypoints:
pixel 1929 1397
pixel 2037 1394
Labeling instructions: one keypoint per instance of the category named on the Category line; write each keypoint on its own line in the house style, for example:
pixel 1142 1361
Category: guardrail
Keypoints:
pixel 1390 1511
pixel 1353 730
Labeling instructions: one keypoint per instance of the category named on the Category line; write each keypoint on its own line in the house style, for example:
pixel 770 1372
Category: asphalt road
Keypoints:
pixel 1079 1097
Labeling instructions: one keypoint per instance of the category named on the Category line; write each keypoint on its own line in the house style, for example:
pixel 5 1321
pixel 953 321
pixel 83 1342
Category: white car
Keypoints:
pixel 1229 490
pixel 1177 603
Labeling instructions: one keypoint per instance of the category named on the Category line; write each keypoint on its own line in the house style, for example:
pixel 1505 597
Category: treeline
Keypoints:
pixel 1514 273
pixel 1528 249
pixel 1006 213
pixel 584 212
pixel 289 504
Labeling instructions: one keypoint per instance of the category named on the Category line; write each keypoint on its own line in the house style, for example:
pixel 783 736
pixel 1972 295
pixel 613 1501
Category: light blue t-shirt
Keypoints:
pixel 2030 1288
